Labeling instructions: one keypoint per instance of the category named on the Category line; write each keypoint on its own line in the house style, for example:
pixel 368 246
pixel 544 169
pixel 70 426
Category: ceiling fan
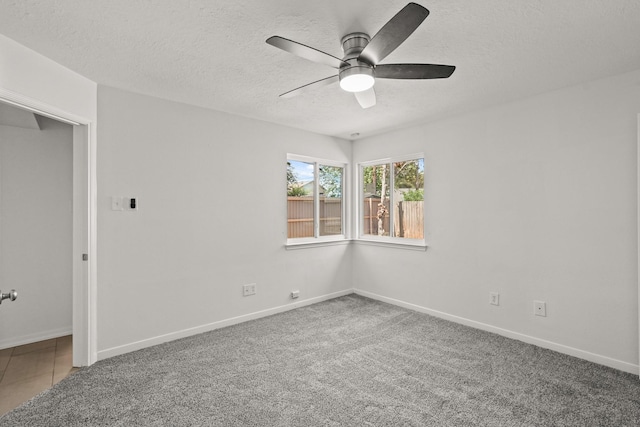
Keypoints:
pixel 360 66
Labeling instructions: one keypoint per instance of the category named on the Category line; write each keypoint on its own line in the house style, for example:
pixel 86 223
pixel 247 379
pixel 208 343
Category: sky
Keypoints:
pixel 303 171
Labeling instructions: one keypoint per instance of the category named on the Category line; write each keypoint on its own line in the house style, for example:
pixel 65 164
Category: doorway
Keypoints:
pixel 36 243
pixel 36 226
pixel 83 224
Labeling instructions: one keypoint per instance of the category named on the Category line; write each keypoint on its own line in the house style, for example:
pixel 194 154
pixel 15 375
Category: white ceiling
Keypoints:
pixel 212 53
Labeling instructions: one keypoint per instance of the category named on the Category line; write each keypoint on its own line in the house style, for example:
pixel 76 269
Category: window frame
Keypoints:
pixel 317 240
pixel 388 241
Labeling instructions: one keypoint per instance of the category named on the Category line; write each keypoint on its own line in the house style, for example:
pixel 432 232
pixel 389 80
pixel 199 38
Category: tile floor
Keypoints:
pixel 29 369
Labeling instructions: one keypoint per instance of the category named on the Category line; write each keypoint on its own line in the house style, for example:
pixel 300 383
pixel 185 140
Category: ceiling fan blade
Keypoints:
pixel 311 86
pixel 366 98
pixel 394 33
pixel 413 71
pixel 306 52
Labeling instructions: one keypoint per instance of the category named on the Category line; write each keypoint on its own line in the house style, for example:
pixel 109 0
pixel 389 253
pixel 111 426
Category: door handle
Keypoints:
pixel 10 296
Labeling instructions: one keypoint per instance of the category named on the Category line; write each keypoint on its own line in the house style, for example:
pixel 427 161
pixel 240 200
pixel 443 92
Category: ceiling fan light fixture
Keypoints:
pixel 363 54
pixel 357 78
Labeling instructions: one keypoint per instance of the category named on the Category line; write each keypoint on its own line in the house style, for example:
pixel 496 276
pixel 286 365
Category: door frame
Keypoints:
pixel 84 223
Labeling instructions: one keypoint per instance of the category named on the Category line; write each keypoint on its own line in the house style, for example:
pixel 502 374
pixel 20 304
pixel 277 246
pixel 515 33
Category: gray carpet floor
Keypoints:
pixel 350 361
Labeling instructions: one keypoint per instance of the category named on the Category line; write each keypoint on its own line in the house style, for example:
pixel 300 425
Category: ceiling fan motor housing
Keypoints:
pixel 352 45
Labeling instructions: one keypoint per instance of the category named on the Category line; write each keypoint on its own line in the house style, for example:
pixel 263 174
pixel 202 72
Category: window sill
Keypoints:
pixel 315 244
pixel 412 245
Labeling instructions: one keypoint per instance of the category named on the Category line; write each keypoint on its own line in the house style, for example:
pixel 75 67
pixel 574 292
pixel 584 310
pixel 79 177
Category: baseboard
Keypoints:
pixel 560 348
pixel 31 338
pixel 138 345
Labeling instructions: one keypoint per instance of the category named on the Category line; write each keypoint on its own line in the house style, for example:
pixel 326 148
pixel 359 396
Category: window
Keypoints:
pixel 315 206
pixel 392 198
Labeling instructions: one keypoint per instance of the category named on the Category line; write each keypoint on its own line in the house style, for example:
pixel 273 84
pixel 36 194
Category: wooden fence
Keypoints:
pixel 300 216
pixel 409 221
pixel 370 212
pixel 408 224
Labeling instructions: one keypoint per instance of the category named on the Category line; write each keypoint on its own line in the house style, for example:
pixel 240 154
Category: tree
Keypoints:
pixel 413 195
pixel 291 176
pixel 409 174
pixel 293 186
pixel 331 180
pixel 373 177
pixel 296 192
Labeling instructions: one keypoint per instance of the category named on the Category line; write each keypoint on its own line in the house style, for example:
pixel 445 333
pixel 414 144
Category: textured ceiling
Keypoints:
pixel 213 53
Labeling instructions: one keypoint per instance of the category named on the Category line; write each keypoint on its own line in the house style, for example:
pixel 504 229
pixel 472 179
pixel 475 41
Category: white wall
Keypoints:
pixel 535 200
pixel 212 217
pixel 29 75
pixel 35 232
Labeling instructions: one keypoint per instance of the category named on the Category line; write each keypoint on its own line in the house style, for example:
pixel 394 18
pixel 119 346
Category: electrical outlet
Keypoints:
pixel 295 294
pixel 249 289
pixel 540 308
pixel 494 298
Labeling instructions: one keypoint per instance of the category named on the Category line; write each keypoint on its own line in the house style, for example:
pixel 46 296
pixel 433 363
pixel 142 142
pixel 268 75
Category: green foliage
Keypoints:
pixel 416 195
pixel 409 174
pixel 291 176
pixel 296 192
pixel 331 180
pixel 372 178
